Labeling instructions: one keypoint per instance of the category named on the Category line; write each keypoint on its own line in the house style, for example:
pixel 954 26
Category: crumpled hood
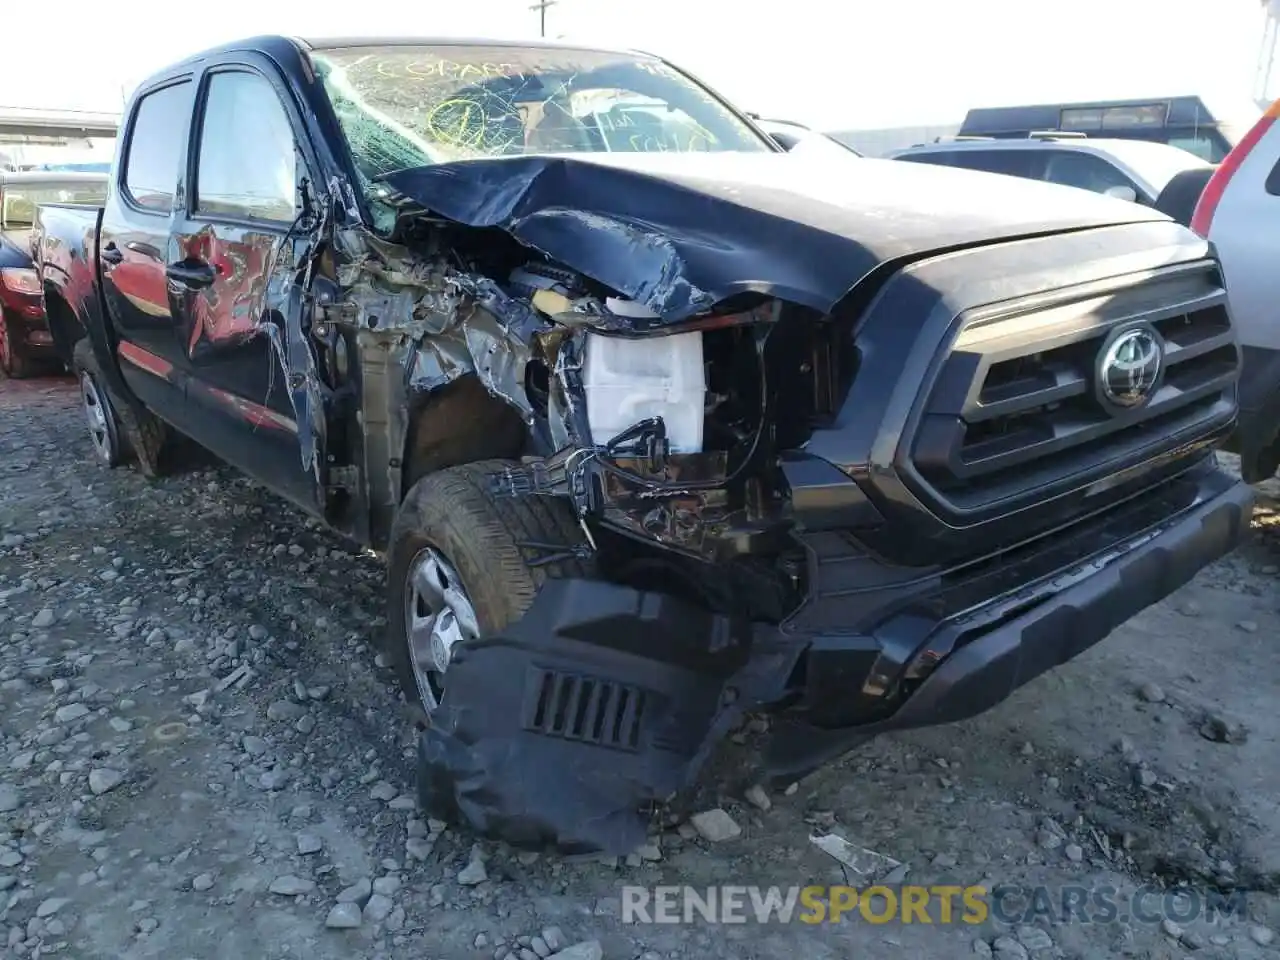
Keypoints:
pixel 682 232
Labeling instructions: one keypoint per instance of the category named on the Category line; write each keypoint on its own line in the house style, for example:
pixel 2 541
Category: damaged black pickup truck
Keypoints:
pixel 655 423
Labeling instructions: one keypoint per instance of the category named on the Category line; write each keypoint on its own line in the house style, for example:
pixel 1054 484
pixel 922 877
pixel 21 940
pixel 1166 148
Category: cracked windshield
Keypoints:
pixel 408 106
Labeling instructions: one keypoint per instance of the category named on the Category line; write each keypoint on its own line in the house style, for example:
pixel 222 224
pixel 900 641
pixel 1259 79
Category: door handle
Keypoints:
pixel 146 249
pixel 111 253
pixel 192 273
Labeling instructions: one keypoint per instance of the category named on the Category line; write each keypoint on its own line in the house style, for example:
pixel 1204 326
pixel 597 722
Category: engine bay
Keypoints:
pixel 666 438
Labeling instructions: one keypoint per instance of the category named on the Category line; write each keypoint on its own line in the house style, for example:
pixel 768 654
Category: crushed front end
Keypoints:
pixel 888 513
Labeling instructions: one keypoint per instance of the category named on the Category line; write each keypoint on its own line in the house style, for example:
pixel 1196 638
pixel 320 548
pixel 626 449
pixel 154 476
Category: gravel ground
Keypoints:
pixel 201 756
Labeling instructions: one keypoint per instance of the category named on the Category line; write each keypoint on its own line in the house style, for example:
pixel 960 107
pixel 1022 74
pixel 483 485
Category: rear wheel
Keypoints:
pixel 14 362
pixel 120 433
pixel 99 413
pixel 457 570
pixel 150 441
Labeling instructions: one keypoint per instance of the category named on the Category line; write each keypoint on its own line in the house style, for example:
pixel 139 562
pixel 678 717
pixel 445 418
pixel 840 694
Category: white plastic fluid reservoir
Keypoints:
pixel 629 380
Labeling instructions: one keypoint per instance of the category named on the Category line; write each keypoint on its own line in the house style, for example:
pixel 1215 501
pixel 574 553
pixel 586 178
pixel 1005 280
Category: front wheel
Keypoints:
pixel 14 362
pixel 457 570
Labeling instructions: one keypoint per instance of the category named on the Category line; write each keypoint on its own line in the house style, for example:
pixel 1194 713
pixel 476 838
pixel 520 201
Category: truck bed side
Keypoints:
pixel 64 246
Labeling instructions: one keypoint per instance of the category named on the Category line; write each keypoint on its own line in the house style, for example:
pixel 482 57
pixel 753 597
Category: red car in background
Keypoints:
pixel 46 157
pixel 27 344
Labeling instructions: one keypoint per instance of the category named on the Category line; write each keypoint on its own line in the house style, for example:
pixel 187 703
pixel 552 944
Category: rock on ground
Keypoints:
pixel 343 916
pixel 358 892
pixel 291 886
pixel 715 826
pixel 10 798
pixel 378 908
pixel 103 779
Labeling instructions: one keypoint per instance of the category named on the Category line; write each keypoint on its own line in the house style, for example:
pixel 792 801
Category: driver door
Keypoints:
pixel 226 284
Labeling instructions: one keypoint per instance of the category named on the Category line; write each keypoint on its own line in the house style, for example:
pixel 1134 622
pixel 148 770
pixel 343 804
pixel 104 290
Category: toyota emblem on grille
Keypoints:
pixel 1129 367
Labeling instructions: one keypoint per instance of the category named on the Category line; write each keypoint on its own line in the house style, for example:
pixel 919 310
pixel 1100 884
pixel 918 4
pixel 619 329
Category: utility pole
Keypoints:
pixel 541 7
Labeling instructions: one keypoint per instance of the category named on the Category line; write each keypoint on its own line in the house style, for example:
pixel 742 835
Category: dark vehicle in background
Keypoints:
pixel 803 141
pixel 1199 125
pixel 27 342
pixel 1152 174
pixel 653 432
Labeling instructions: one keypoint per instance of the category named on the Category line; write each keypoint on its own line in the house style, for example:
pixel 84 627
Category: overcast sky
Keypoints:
pixel 835 64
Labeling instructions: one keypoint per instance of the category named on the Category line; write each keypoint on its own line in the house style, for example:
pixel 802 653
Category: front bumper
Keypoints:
pixel 603 699
pixel 1008 641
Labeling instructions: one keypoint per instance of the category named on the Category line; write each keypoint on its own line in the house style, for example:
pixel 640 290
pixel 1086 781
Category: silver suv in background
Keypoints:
pixel 1239 212
pixel 1154 174
pixel 796 138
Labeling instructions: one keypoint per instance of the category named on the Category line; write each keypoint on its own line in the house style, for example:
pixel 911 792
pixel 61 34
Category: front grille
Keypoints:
pixel 585 709
pixel 1016 407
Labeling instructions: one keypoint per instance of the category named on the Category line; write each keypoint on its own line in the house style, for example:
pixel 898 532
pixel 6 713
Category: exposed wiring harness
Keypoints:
pixel 652 433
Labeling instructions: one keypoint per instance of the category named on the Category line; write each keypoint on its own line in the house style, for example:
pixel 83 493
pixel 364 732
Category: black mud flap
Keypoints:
pixel 568 727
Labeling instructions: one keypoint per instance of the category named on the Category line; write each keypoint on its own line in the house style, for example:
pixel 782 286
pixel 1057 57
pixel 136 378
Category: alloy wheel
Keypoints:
pixel 438 615
pixel 101 420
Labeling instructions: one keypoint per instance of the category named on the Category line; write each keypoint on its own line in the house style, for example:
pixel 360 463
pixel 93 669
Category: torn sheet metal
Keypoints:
pixel 341 191
pixel 389 288
pixel 683 232
pixel 287 297
pixel 437 362
pixel 447 323
pixel 305 391
pixel 499 332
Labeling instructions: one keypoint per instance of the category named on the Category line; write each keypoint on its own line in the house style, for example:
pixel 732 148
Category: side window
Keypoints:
pixel 1086 171
pixel 1202 147
pixel 155 145
pixel 1273 180
pixel 248 161
pixel 942 158
pixel 1011 163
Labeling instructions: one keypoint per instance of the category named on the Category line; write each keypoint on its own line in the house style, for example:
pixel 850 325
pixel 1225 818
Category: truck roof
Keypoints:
pixel 332 43
pixel 1181 111
pixel 273 45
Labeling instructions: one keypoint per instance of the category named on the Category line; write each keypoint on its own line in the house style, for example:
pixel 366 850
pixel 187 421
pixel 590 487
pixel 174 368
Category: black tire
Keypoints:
pixel 105 433
pixel 14 362
pixel 453 512
pixel 143 439
pixel 150 441
pixel 1181 194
